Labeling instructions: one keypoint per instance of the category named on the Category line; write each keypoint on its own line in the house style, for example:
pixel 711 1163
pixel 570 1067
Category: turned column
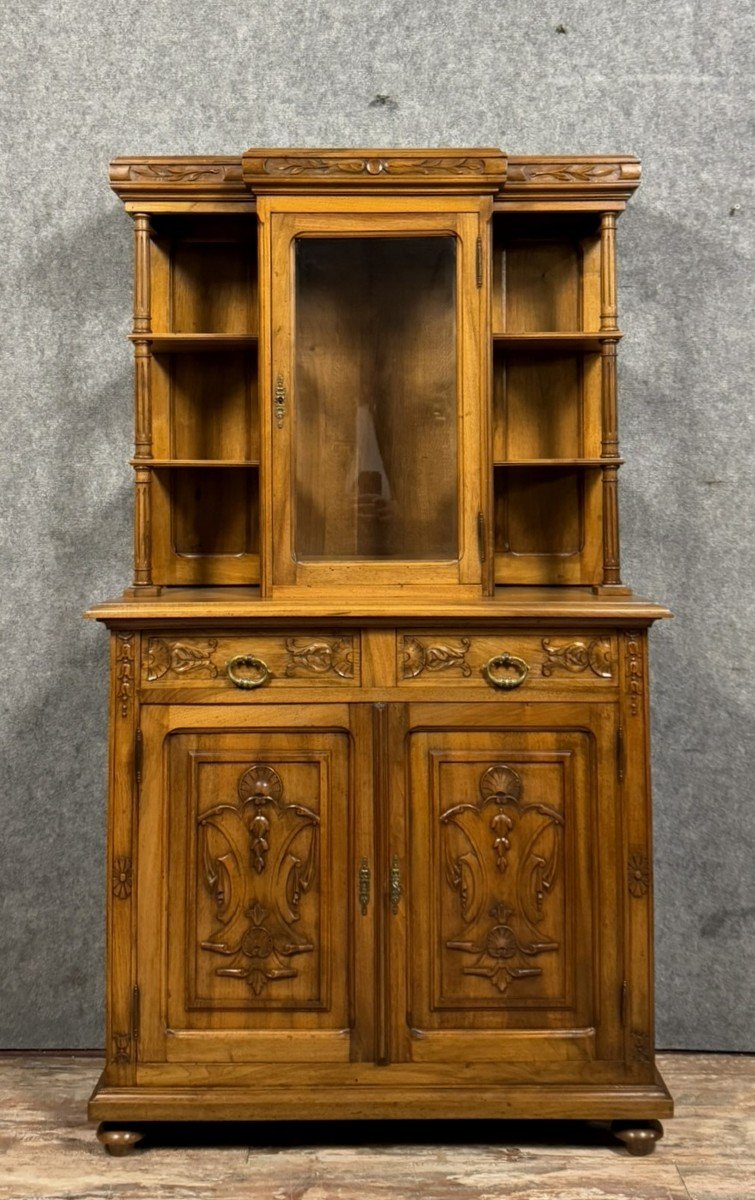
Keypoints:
pixel 143 405
pixel 609 448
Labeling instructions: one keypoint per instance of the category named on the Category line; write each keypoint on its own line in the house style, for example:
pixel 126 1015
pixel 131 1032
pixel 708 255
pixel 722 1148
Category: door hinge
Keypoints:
pixel 478 262
pixel 624 1001
pixel 620 754
pixel 135 1015
pixel 138 756
pixel 481 549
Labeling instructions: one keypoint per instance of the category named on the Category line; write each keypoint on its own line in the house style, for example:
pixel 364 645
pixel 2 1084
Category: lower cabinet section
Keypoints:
pixel 381 908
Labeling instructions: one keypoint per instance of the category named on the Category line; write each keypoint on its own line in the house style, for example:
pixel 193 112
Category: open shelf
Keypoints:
pixel 575 342
pixel 177 343
pixel 564 463
pixel 547 524
pixel 206 528
pixel 162 464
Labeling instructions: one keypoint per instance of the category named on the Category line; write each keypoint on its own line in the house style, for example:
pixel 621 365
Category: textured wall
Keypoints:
pixel 83 82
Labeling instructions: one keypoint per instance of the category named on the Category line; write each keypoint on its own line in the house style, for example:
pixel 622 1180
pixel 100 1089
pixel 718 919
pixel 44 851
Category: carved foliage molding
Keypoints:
pixel 190 656
pixel 633 671
pixel 124 688
pixel 641 1049
pixel 167 171
pixel 258 860
pixel 419 656
pixel 566 172
pixel 330 654
pixel 295 165
pixel 121 1048
pixel 578 656
pixel 501 859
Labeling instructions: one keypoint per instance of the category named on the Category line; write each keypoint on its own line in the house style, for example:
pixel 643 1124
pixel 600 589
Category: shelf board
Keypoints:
pixel 176 343
pixel 564 463
pixel 168 463
pixel 585 342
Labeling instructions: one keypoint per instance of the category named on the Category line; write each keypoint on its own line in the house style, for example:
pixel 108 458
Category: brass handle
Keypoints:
pixel 252 662
pixel 364 886
pixel 509 663
pixel 395 890
pixel 279 401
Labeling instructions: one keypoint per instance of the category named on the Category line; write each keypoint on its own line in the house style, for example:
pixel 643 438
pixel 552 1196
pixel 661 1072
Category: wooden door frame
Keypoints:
pixel 467 219
pixel 159 722
pixel 600 721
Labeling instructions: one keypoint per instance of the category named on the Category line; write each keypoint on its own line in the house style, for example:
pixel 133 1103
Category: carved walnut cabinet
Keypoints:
pixel 379 819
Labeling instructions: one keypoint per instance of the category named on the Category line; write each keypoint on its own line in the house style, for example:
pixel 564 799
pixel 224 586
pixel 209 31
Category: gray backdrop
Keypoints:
pixel 84 81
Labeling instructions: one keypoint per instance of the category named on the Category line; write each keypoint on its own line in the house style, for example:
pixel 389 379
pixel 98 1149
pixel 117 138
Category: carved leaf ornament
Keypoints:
pixel 259 858
pixel 501 858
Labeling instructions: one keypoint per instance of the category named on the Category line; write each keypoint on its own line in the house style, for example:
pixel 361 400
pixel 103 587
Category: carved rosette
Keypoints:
pixel 502 905
pixel 333 654
pixel 633 649
pixel 122 878
pixel 180 658
pixel 578 656
pixel 124 659
pixel 421 656
pixel 638 874
pixel 259 858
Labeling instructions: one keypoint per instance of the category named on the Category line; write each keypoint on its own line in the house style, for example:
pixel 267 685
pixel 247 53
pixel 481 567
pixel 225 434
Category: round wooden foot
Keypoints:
pixel 118 1141
pixel 639 1137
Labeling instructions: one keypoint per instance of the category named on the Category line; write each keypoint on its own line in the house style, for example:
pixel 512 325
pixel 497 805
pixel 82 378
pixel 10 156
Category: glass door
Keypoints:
pixel 376 400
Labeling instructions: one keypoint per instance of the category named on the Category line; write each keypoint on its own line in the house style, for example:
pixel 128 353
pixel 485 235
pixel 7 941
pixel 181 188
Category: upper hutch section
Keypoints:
pixel 375 370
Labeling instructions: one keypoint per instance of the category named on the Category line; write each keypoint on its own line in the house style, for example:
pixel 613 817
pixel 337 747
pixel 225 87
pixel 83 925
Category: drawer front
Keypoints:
pixel 508 660
pixel 251 662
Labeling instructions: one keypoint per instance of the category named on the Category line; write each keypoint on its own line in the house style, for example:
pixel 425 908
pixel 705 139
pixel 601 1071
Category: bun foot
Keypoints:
pixel 639 1137
pixel 118 1141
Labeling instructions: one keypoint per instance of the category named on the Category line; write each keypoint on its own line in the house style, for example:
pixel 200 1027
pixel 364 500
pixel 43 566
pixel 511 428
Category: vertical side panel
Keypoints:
pixel 124 716
pixel 637 856
pixel 151 894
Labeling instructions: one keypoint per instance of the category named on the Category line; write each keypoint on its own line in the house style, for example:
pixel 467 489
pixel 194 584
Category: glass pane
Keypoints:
pixel 375 398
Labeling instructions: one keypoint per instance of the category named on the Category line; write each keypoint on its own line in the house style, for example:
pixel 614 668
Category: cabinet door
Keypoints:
pixel 513 928
pixel 377 396
pixel 247 843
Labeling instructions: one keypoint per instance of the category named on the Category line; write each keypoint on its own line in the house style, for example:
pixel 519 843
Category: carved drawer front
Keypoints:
pixel 507 660
pixel 251 662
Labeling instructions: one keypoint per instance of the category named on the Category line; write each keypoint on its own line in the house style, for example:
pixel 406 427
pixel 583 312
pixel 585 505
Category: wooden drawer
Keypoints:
pixel 280 659
pixel 507 660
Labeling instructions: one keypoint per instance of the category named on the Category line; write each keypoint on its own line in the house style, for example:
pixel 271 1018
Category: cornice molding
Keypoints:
pixel 157 180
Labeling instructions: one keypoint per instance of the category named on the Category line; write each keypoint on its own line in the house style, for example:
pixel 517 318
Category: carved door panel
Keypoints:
pixel 512 943
pixel 247 852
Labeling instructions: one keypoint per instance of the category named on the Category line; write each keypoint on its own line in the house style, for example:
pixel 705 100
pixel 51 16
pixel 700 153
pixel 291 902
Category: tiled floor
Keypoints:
pixel 47 1149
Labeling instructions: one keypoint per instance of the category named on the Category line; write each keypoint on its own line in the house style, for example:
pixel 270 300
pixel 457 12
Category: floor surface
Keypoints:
pixel 48 1150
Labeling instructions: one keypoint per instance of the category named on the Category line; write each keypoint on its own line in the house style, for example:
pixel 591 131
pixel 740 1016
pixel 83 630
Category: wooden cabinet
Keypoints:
pixel 379 818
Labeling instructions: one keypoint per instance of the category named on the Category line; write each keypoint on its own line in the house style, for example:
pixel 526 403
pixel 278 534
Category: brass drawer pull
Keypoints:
pixel 395 889
pixel 364 886
pixel 516 671
pixel 251 662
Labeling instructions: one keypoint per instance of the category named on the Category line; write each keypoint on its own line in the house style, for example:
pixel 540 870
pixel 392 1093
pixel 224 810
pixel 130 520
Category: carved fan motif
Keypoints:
pixel 503 867
pixel 258 859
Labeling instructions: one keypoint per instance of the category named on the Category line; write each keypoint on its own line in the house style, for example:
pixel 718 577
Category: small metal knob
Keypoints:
pixel 251 662
pixel 516 671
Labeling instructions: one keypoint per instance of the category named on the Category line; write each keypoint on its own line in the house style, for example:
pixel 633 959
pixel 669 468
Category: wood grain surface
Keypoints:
pixel 47 1149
